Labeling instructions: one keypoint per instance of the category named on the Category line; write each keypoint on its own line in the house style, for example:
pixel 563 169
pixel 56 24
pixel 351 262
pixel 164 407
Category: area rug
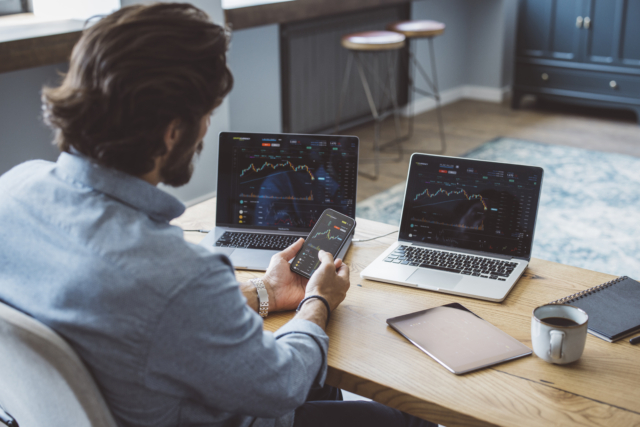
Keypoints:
pixel 589 213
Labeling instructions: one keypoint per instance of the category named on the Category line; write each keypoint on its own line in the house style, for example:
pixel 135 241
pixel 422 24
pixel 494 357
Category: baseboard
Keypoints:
pixel 478 93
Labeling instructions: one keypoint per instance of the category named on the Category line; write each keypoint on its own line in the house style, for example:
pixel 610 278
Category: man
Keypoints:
pixel 170 336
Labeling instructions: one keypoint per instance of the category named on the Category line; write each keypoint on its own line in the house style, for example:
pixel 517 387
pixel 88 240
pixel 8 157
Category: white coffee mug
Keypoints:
pixel 558 333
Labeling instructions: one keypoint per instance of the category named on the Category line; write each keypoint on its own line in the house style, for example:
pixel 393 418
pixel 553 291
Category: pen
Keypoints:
pixel 635 340
pixel 7 419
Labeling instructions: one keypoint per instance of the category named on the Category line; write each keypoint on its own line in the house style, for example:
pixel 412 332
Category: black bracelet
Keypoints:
pixel 326 304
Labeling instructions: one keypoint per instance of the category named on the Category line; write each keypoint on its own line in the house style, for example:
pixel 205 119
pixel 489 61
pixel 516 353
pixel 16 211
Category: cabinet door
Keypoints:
pixel 603 30
pixel 630 34
pixel 567 23
pixel 551 28
pixel 534 27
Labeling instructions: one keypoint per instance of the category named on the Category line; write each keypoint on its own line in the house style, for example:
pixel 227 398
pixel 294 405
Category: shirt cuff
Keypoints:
pixel 307 330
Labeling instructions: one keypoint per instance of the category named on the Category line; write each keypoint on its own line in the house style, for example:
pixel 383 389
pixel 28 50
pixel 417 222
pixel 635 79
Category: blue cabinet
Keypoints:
pixel 579 51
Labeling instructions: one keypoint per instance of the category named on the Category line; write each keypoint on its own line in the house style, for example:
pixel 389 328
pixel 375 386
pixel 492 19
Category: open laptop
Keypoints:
pixel 466 227
pixel 273 187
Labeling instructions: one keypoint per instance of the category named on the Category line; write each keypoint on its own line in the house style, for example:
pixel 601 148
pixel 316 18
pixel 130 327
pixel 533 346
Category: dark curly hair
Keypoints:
pixel 131 74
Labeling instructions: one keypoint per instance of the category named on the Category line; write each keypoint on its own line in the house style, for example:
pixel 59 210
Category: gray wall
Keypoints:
pixel 450 48
pixel 484 43
pixel 255 102
pixel 478 44
pixel 510 14
pixel 23 135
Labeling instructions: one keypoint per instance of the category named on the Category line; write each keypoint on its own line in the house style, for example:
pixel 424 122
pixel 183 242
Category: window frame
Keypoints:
pixel 19 6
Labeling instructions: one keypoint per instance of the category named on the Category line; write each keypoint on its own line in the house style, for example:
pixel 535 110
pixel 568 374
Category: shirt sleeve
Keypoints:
pixel 209 346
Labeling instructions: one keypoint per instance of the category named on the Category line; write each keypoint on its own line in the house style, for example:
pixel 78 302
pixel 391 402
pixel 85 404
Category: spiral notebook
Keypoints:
pixel 613 308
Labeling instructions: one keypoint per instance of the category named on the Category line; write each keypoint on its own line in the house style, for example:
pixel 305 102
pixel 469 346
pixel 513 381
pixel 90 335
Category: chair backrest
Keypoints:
pixel 43 382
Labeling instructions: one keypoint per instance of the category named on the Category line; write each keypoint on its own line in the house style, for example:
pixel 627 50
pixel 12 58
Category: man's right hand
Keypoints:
pixel 330 280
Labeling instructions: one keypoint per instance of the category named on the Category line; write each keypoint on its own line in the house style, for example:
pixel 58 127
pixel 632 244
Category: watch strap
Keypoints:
pixel 263 297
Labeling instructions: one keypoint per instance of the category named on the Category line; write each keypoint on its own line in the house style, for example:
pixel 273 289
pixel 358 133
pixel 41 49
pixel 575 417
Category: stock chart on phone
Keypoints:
pixel 481 206
pixel 329 235
pixel 286 181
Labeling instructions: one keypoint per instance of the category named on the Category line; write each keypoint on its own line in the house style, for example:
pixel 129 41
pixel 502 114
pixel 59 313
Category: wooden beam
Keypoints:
pixel 37 51
pixel 297 10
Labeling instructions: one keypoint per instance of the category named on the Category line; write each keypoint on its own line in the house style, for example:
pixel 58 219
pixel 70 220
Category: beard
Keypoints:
pixel 178 168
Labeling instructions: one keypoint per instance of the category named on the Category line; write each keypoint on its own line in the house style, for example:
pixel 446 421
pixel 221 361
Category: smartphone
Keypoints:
pixel 330 233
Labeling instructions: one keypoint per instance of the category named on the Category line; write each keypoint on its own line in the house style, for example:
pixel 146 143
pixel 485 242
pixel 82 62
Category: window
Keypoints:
pixel 72 9
pixel 9 7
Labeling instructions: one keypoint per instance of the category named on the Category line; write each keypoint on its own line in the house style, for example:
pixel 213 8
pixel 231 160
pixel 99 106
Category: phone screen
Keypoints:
pixel 329 234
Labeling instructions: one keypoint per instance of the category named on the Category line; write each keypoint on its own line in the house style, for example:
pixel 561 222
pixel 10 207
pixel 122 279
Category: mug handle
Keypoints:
pixel 555 349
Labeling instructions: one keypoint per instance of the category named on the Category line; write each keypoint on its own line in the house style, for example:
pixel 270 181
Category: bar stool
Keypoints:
pixel 374 42
pixel 414 30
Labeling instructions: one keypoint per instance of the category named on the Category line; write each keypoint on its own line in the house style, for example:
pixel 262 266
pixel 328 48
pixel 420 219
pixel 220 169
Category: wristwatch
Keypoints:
pixel 263 297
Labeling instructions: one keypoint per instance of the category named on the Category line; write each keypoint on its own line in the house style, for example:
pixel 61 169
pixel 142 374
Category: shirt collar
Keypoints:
pixel 126 188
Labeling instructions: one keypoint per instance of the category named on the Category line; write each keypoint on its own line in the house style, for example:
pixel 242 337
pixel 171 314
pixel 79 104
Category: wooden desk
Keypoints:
pixel 369 358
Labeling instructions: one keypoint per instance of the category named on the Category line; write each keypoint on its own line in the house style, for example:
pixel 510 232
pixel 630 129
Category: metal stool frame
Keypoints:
pixel 378 117
pixel 433 93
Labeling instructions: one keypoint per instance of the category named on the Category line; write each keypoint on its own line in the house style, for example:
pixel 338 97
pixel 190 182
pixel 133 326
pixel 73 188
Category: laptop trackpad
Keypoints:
pixel 434 278
pixel 251 258
pixel 223 250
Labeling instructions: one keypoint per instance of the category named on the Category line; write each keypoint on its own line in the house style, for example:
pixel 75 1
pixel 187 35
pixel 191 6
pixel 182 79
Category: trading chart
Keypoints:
pixel 451 203
pixel 330 234
pixel 287 182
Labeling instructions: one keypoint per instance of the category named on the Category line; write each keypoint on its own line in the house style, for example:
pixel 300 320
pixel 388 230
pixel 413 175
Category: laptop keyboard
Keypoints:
pixel 256 241
pixel 452 262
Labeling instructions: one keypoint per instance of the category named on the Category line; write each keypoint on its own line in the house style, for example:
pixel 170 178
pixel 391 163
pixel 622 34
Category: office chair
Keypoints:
pixel 43 382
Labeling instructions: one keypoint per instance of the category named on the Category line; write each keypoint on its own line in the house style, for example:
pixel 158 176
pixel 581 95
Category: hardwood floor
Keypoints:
pixel 469 124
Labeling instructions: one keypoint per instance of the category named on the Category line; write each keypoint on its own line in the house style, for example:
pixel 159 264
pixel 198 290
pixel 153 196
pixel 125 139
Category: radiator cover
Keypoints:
pixel 313 63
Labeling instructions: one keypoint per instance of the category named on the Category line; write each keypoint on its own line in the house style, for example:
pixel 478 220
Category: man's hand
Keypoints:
pixel 330 280
pixel 286 288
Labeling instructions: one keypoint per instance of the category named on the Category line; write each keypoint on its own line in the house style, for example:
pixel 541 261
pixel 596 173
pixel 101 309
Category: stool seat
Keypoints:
pixel 417 28
pixel 373 40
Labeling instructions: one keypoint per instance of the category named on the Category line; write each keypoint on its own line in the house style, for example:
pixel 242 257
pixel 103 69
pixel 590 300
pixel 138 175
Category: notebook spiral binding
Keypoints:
pixel 589 291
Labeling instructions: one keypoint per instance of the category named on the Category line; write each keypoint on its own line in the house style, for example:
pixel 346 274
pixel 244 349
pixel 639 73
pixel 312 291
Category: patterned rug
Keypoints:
pixel 589 212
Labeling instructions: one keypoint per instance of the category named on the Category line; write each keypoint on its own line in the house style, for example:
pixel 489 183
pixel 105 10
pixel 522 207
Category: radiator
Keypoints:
pixel 313 65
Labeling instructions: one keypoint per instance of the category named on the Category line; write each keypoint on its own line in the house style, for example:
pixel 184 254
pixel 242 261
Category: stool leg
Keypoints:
pixel 394 103
pixel 374 112
pixel 436 92
pixel 411 88
pixel 343 91
pixel 388 88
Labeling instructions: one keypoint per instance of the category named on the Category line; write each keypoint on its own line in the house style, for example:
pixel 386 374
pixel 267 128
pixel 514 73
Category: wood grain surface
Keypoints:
pixel 298 10
pixel 468 124
pixel 29 41
pixel 34 52
pixel 368 358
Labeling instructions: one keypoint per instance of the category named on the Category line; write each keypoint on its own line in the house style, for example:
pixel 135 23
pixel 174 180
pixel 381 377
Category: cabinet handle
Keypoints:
pixel 579 22
pixel 587 22
pixel 545 76
pixel 613 84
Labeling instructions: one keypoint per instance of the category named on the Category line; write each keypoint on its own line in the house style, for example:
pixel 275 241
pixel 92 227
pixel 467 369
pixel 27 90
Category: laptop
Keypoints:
pixel 272 189
pixel 466 227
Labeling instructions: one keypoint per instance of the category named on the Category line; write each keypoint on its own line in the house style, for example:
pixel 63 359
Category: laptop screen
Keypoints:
pixel 471 204
pixel 284 181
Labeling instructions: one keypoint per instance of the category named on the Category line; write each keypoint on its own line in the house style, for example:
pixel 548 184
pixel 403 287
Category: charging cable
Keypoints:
pixel 372 238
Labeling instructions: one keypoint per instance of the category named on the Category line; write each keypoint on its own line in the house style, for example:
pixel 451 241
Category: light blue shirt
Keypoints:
pixel 160 323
